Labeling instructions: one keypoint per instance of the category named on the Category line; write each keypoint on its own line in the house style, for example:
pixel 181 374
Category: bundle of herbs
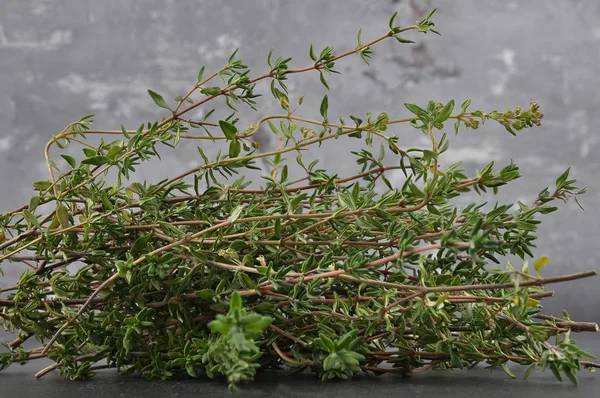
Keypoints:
pixel 201 274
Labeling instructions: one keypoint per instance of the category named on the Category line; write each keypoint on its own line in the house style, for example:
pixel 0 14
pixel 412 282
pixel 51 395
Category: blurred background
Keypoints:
pixel 62 59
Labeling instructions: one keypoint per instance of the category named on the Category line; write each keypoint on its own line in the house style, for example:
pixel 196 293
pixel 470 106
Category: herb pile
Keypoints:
pixel 200 274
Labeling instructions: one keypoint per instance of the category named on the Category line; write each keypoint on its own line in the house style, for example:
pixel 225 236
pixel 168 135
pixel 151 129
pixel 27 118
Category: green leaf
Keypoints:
pixel 140 245
pixel 284 173
pixel 256 323
pixel 89 152
pixel 391 22
pixel 159 100
pixel 345 340
pixel 570 373
pixel 322 79
pixel 62 213
pixel 229 130
pixel 465 105
pixel 231 58
pixel 96 160
pixel 540 263
pixel 31 219
pixel 332 362
pixel 70 160
pixel 234 149
pixel 211 91
pixel 200 74
pixel 456 126
pixel 273 128
pixel 189 368
pixel 235 303
pixel 326 343
pixel 445 112
pixel 555 371
pixel 546 209
pixel 529 370
pixel 205 294
pixel 324 107
pixel 560 181
pixel 350 359
pixel 41 185
pixel 220 325
pixel 34 202
pixel 236 213
pixel 416 109
pixel 508 371
pixel 403 41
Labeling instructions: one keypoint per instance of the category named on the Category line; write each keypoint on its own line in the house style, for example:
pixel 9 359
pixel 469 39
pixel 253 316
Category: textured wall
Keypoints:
pixel 62 59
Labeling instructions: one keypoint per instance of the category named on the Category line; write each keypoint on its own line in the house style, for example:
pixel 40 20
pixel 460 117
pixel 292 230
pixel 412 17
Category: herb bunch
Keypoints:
pixel 200 274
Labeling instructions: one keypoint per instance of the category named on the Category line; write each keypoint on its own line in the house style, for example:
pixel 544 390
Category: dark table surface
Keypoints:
pixel 18 381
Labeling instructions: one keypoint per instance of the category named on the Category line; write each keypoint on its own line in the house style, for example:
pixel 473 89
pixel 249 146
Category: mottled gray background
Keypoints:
pixel 62 59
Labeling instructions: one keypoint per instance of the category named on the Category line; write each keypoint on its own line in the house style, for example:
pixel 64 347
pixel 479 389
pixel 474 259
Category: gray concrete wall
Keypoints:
pixel 60 60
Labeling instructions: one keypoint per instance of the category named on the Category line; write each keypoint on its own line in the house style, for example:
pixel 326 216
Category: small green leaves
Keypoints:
pixel 562 181
pixel 159 100
pixel 229 130
pixel 326 54
pixel 325 343
pixel 342 357
pixel 425 25
pixel 240 326
pixel 432 116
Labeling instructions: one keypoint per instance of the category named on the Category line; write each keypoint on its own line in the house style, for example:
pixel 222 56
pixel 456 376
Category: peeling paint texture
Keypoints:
pixel 60 60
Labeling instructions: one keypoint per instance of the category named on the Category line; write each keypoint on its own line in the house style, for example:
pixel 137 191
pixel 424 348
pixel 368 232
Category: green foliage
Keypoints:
pixel 198 274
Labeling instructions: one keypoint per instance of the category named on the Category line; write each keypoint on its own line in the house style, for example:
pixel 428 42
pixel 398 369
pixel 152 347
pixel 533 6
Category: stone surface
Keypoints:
pixel 60 60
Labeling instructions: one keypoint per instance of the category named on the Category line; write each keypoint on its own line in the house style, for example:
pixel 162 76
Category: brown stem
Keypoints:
pixel 286 334
pixel 574 326
pixel 495 286
pixel 288 359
